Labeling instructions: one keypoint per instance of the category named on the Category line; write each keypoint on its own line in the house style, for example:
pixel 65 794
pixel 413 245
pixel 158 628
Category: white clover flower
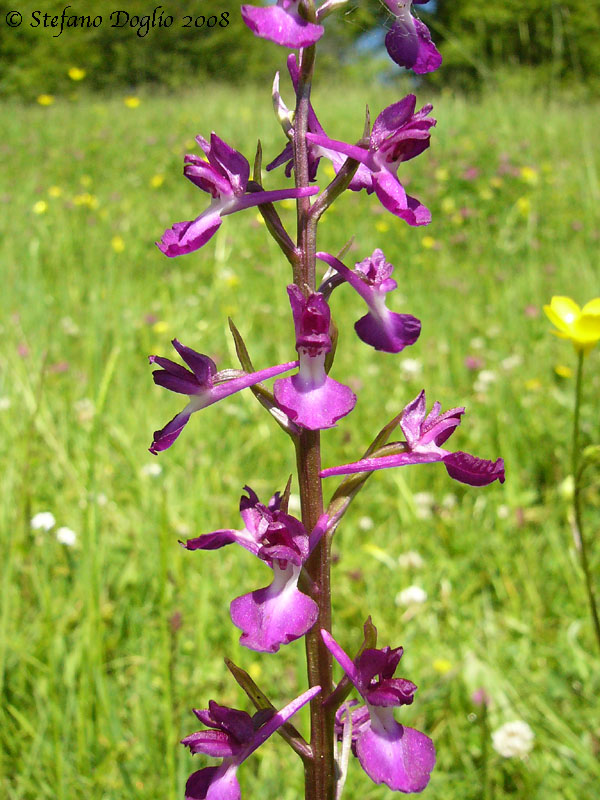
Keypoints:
pixel 410 560
pixel 503 511
pixel 411 596
pixel 485 378
pixel 424 502
pixel 513 739
pixel 152 470
pixel 366 524
pixel 66 536
pixel 411 367
pixel 43 521
pixel 510 362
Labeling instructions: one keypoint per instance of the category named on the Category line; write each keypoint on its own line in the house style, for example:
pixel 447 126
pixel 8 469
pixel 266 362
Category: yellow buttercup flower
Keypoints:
pixel 132 102
pixel 45 99
pixel 76 73
pixel 156 181
pixel 580 325
pixel 40 207
pixel 117 244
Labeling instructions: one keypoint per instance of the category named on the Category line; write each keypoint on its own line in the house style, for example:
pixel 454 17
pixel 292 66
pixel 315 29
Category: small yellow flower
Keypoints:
pixel 563 371
pixel 485 193
pixel 86 199
pixel 442 665
pixel 132 102
pixel 524 206
pixel 382 226
pixel 448 204
pixel 117 244
pixel 428 242
pixel 76 74
pixel 533 384
pixel 160 327
pixel 40 207
pixel 329 171
pixel 580 325
pixel 45 99
pixel 496 182
pixel 55 191
pixel 441 174
pixel 156 181
pixel 529 175
pixel 259 218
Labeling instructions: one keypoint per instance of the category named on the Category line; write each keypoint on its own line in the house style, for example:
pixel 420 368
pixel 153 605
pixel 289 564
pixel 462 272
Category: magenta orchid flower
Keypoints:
pixel 425 433
pixel 398 135
pixel 408 41
pixel 390 753
pixel 381 328
pixel 361 179
pixel 203 385
pixel 279 613
pixel 233 736
pixel 282 24
pixel 311 398
pixel 225 177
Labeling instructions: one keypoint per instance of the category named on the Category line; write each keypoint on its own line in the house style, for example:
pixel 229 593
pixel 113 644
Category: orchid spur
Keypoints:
pixel 203 385
pixel 233 736
pixel 381 328
pixel 390 753
pixel 425 433
pixel 225 177
pixel 399 134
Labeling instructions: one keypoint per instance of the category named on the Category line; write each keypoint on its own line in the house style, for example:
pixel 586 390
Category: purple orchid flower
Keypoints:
pixel 362 177
pixel 282 24
pixel 389 753
pixel 225 177
pixel 233 736
pixel 279 613
pixel 381 328
pixel 425 433
pixel 408 42
pixel 203 384
pixel 398 135
pixel 311 398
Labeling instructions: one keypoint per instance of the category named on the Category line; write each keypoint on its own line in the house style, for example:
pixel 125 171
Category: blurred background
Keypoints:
pixel 109 631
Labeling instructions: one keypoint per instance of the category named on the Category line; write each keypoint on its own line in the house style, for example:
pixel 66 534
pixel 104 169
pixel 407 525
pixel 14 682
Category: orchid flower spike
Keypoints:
pixel 279 613
pixel 311 398
pixel 390 753
pixel 381 328
pixel 398 135
pixel 408 41
pixel 203 385
pixel 232 736
pixel 282 24
pixel 425 433
pixel 225 177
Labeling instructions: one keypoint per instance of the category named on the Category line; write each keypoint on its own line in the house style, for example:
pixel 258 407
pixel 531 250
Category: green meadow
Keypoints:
pixel 106 646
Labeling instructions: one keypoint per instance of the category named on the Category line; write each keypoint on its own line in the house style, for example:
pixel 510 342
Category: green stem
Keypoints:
pixel 320 770
pixel 581 541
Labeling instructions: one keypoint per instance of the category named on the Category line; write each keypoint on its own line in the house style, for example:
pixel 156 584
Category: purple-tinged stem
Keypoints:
pixel 319 773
